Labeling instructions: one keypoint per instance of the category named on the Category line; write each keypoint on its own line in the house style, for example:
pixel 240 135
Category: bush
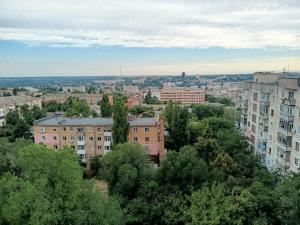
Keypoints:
pixel 12 138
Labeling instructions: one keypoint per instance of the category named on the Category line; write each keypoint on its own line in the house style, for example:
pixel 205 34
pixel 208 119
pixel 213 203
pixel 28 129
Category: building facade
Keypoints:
pixel 183 95
pixel 93 136
pixel 270 119
pixel 14 103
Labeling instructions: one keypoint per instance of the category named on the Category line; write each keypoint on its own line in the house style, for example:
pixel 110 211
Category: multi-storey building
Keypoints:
pixel 91 99
pixel 270 119
pixel 93 136
pixel 14 103
pixel 183 95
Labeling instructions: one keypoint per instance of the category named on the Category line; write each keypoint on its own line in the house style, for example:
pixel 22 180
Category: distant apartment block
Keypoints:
pixel 183 95
pixel 70 89
pixel 134 100
pixel 91 137
pixel 270 119
pixel 129 90
pixel 91 99
pixel 14 103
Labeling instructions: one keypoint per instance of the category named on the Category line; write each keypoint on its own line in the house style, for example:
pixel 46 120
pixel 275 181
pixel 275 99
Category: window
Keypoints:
pixel 297 146
pixel 147 139
pixel 43 138
pixel 43 130
pixel 54 138
pixel 91 138
pixel 255 96
pixel 99 147
pixel 80 129
pixel 64 129
pixel 296 161
pixel 135 139
pixel 55 146
pixel 106 148
pixel 147 129
pixel 272 112
pixel 54 130
pixel 253 118
pixel 291 95
pixel 71 129
pixel 270 151
pixel 72 138
pixel 135 129
pixel 64 138
pixel 106 130
pixel 80 138
pixel 107 138
pixel 73 146
pixel 98 129
pixel 254 107
pixel 253 128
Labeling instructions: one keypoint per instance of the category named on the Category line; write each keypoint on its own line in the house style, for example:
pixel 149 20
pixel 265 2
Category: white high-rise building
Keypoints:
pixel 270 119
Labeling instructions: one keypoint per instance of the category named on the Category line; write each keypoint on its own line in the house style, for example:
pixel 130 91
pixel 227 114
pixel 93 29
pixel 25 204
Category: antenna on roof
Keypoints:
pixel 120 70
pixel 289 65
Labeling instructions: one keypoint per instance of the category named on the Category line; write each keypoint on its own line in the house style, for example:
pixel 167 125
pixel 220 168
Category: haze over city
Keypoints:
pixel 49 38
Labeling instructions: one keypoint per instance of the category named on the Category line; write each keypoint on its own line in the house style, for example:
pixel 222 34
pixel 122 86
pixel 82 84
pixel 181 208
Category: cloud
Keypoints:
pixel 153 23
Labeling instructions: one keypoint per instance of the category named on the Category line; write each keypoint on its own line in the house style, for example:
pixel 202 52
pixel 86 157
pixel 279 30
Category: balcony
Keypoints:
pixel 286 132
pixel 107 133
pixel 263 114
pixel 81 142
pixel 81 152
pixel 290 102
pixel 107 143
pixel 286 116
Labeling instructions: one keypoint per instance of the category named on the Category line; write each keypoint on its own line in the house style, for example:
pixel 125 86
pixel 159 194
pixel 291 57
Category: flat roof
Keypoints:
pixel 98 121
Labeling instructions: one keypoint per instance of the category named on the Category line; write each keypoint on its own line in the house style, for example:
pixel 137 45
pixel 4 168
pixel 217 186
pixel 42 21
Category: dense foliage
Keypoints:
pixel 151 100
pixel 142 111
pixel 212 179
pixel 105 107
pixel 38 186
pixel 18 124
pixel 120 128
pixel 222 100
pixel 71 107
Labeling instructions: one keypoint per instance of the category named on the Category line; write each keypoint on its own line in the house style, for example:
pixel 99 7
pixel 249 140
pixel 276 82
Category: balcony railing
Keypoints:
pixel 290 102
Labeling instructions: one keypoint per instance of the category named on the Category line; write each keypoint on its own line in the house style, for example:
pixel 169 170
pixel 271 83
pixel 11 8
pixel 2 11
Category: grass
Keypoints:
pixel 3 140
pixel 100 185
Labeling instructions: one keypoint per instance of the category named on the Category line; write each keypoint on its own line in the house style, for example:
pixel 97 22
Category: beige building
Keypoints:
pixel 12 103
pixel 270 119
pixel 93 136
pixel 91 99
pixel 183 95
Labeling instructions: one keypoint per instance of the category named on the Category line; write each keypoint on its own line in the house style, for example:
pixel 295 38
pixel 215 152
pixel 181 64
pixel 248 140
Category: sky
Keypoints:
pixel 148 37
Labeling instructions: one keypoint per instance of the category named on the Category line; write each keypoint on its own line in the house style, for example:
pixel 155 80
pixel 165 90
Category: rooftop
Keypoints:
pixel 98 121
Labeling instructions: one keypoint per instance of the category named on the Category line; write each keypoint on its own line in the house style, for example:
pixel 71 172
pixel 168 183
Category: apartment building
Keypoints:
pixel 93 136
pixel 91 99
pixel 270 119
pixel 12 103
pixel 183 95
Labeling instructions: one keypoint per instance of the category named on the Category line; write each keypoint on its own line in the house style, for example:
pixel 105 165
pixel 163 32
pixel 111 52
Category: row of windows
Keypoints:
pixel 106 148
pixel 135 129
pixel 80 138
pixel 147 139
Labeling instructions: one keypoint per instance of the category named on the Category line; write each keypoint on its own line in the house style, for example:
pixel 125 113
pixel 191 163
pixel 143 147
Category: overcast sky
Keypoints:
pixel 93 37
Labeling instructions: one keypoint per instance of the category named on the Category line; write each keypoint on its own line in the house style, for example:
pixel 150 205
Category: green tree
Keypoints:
pixel 105 107
pixel 48 188
pixel 38 113
pixel 203 111
pixel 22 129
pixel 15 91
pixel 120 128
pixel 177 126
pixel 12 118
pixel 183 170
pixel 125 169
pixel 219 206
